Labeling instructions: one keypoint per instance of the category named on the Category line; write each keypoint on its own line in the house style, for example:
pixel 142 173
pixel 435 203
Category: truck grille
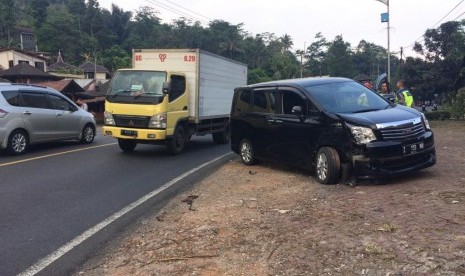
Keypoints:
pixel 403 132
pixel 131 121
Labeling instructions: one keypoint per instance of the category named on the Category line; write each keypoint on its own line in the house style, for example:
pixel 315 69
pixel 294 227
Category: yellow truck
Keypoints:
pixel 169 95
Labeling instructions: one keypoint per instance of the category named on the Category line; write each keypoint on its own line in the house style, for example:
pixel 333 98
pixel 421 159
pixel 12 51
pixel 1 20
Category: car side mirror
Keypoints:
pixel 166 87
pixel 297 110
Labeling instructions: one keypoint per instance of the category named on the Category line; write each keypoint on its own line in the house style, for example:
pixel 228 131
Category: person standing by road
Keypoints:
pixel 82 104
pixel 403 94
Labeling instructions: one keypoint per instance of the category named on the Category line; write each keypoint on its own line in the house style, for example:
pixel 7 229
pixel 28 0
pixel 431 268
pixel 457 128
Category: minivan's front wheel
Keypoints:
pixel 127 145
pixel 247 153
pixel 88 134
pixel 328 166
pixel 18 142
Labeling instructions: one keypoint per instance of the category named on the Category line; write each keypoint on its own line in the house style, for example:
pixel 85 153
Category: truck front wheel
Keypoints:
pixel 178 141
pixel 127 145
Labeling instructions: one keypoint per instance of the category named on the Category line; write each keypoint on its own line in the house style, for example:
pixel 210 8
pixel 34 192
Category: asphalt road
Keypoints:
pixel 57 191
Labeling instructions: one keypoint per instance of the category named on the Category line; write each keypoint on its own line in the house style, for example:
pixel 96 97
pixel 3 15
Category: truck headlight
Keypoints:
pixel 158 121
pixel 362 135
pixel 109 120
pixel 425 121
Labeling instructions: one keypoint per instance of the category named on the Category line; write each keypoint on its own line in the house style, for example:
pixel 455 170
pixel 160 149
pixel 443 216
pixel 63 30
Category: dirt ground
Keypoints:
pixel 275 220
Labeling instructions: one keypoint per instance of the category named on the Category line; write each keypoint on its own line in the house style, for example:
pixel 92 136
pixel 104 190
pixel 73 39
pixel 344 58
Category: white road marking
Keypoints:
pixel 54 154
pixel 42 264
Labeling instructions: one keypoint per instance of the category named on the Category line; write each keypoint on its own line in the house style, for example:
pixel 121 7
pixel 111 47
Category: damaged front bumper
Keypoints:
pixel 390 158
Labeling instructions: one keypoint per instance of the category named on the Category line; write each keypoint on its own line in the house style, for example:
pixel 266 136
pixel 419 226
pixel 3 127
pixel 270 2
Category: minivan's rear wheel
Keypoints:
pixel 328 166
pixel 178 141
pixel 247 153
pixel 222 137
pixel 18 142
pixel 127 145
pixel 88 134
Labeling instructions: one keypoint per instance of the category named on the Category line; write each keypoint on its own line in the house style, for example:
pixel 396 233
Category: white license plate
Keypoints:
pixel 413 148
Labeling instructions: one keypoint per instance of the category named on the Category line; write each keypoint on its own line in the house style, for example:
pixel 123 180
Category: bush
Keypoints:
pixel 438 115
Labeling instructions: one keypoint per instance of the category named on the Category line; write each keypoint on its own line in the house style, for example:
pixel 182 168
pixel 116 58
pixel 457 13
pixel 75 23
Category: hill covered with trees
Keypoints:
pixel 81 29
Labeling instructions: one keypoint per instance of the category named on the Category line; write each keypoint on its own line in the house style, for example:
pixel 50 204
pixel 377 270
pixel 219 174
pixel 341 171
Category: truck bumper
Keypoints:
pixel 145 135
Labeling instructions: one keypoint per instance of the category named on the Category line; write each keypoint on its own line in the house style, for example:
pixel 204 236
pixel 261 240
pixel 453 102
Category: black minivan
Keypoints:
pixel 333 126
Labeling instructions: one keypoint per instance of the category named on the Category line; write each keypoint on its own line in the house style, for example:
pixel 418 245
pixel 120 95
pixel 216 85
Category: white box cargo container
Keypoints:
pixel 211 79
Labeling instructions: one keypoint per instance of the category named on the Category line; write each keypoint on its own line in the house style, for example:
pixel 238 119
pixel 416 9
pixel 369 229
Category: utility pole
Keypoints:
pixel 385 17
pixel 389 43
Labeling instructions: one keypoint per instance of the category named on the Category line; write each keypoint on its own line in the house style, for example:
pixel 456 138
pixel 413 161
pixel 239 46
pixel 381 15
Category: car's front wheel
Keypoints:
pixel 127 145
pixel 88 134
pixel 246 152
pixel 328 166
pixel 18 142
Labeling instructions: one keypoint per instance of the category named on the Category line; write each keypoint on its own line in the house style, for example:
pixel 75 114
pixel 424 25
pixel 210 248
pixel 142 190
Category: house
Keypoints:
pixel 94 71
pixel 10 57
pixel 63 69
pixel 67 87
pixel 25 73
pixel 27 39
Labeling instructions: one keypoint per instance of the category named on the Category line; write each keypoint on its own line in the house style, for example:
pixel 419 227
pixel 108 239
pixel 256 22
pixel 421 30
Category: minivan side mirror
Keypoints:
pixel 297 110
pixel 166 87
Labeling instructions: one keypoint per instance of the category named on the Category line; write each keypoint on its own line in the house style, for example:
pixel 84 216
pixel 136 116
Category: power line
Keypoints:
pixel 421 38
pixel 448 13
pixel 174 10
pixel 206 17
pixel 455 19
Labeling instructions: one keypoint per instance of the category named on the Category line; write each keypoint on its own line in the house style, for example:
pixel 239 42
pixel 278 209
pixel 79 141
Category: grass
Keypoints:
pixel 387 227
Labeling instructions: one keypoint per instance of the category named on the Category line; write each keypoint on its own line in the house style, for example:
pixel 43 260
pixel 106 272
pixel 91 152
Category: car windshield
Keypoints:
pixel 347 97
pixel 137 86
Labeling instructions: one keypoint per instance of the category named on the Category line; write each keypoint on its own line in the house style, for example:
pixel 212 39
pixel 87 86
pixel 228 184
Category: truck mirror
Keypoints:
pixel 166 87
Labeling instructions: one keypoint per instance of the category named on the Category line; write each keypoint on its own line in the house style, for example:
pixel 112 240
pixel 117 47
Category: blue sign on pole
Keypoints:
pixel 384 17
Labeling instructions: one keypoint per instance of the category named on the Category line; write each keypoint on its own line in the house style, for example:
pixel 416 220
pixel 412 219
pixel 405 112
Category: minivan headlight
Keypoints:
pixel 425 121
pixel 109 120
pixel 362 135
pixel 158 121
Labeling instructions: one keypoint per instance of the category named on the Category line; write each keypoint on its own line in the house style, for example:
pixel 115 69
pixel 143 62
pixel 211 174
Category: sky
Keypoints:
pixel 302 19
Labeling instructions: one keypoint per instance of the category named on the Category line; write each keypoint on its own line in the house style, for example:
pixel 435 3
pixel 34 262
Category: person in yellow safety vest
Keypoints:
pixel 403 96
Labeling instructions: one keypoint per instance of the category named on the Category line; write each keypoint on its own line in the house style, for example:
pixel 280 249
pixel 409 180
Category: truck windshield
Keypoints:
pixel 347 97
pixel 137 87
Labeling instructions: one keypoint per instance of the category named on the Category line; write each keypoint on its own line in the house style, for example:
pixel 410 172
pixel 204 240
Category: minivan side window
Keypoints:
pixel 178 87
pixel 34 100
pixel 291 99
pixel 264 101
pixel 12 97
pixel 243 100
pixel 59 103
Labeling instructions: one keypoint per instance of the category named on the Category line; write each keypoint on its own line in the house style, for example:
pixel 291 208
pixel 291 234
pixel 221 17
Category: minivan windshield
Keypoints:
pixel 137 87
pixel 347 97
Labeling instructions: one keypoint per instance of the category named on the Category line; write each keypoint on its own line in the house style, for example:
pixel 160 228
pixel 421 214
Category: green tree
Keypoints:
pixel 7 22
pixel 339 58
pixel 444 50
pixel 316 56
pixel 116 58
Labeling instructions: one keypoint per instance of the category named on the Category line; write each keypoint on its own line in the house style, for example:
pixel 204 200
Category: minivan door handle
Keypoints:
pixel 60 113
pixel 27 113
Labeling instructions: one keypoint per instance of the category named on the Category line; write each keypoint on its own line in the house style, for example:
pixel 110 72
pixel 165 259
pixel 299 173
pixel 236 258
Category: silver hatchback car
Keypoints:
pixel 33 114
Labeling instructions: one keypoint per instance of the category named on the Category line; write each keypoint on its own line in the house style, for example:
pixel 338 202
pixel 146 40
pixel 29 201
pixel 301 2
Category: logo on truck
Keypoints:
pixel 162 57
